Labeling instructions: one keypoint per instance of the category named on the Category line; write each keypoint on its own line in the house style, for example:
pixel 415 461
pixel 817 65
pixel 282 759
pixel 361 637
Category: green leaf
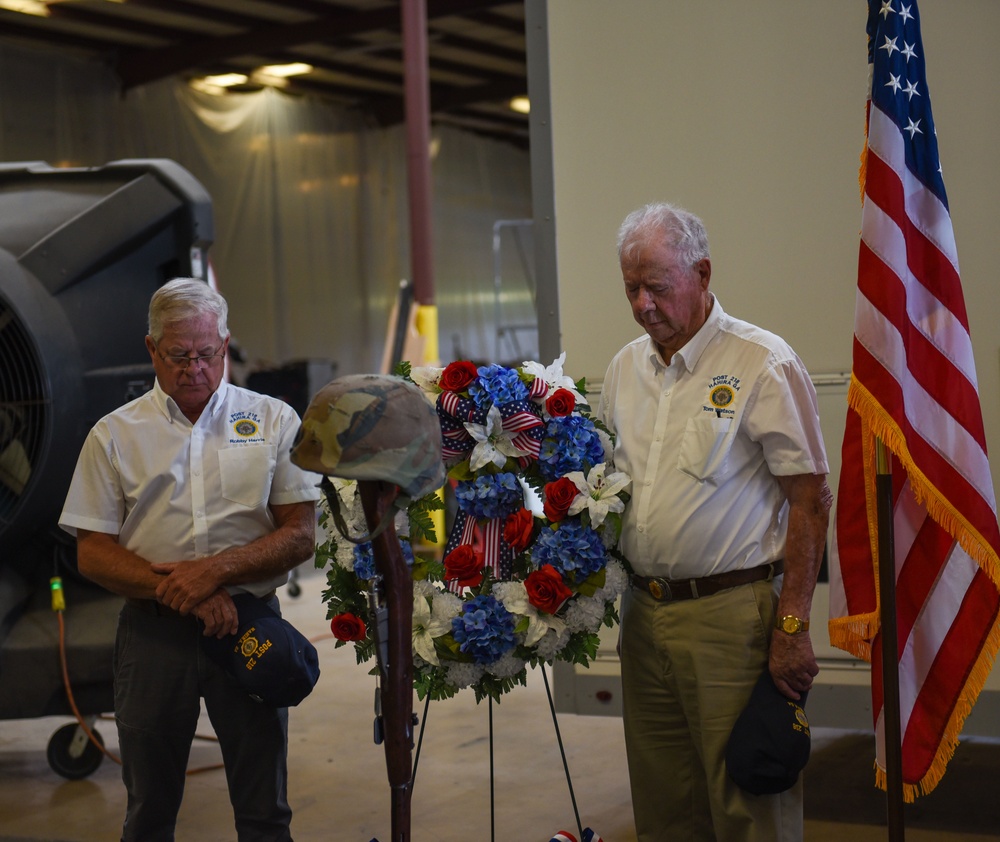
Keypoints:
pixel 593 583
pixel 491 687
pixel 421 522
pixel 429 681
pixel 461 472
pixel 581 648
pixel 364 650
pixel 448 648
pixel 535 480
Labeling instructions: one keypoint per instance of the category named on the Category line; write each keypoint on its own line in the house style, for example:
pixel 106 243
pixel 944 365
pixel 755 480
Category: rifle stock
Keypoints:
pixel 397 672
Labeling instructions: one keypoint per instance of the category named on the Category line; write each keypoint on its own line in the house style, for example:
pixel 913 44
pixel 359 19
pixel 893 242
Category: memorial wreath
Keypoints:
pixel 530 570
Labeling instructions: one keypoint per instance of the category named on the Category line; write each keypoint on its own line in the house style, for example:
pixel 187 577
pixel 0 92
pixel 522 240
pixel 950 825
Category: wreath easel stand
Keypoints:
pixel 562 754
pixel 392 612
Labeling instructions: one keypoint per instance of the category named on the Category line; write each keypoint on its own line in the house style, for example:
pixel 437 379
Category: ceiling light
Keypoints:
pixel 205 88
pixel 225 80
pixel 26 7
pixel 520 104
pixel 271 81
pixel 296 68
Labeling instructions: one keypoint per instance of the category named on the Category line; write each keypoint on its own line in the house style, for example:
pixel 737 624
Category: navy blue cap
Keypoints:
pixel 270 657
pixel 769 744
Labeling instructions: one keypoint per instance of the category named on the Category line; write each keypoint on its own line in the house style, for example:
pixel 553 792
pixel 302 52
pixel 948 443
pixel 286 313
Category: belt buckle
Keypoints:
pixel 659 589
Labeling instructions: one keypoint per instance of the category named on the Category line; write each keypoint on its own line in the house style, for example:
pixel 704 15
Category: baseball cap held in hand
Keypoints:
pixel 267 655
pixel 769 744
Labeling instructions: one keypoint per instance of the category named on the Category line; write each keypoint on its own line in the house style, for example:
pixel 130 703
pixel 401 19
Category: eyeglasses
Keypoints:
pixel 181 362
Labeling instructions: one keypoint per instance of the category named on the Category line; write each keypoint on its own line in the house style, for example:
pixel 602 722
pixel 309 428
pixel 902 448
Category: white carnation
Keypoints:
pixel 615 582
pixel 421 587
pixel 463 675
pixel 449 604
pixel 506 667
pixel 552 643
pixel 585 614
pixel 511 594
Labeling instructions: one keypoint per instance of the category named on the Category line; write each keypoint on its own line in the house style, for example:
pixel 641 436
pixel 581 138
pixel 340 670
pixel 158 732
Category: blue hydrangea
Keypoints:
pixel 484 629
pixel 498 385
pixel 404 544
pixel 490 495
pixel 573 549
pixel 364 561
pixel 571 443
pixel 364 558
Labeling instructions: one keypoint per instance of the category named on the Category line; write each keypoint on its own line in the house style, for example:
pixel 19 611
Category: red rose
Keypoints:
pixel 559 495
pixel 464 564
pixel 457 376
pixel 561 402
pixel 517 530
pixel 348 627
pixel 546 589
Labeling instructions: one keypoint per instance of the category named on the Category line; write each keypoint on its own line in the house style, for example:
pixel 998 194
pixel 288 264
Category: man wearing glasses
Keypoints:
pixel 181 498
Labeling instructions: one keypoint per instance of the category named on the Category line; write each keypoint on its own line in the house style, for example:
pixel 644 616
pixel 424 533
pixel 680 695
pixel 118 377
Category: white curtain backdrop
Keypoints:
pixel 309 202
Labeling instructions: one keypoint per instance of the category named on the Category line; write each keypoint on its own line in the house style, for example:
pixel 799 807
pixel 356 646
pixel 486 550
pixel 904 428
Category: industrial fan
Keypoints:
pixel 81 252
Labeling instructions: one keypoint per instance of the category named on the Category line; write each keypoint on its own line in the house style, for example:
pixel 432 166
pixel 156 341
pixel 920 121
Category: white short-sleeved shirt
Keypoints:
pixel 173 491
pixel 703 439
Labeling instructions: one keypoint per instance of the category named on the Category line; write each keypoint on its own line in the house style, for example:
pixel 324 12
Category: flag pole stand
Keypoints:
pixel 890 644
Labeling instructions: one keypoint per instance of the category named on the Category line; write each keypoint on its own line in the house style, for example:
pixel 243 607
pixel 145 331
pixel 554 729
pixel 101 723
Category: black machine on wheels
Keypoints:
pixel 81 252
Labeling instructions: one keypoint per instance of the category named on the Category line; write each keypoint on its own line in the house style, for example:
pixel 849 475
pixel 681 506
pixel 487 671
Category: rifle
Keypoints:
pixel 394 648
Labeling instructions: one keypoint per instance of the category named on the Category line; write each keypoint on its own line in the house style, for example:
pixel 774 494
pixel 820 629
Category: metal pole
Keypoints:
pixel 418 139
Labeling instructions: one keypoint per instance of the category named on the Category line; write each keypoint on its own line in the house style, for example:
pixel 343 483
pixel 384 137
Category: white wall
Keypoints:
pixel 752 116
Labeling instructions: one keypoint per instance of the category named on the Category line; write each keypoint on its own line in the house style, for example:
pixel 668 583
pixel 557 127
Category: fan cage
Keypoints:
pixel 23 407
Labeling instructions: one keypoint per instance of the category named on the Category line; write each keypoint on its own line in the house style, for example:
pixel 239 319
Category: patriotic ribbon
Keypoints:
pixel 497 554
pixel 566 836
pixel 519 418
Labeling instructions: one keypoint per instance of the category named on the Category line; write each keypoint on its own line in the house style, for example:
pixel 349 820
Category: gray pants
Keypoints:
pixel 161 674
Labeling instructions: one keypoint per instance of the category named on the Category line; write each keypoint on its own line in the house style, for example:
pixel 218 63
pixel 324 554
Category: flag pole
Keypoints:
pixel 890 643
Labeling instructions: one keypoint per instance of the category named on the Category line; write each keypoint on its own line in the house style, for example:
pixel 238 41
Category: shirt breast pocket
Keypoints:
pixel 704 451
pixel 246 473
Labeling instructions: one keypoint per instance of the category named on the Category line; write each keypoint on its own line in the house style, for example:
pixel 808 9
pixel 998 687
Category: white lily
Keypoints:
pixel 514 597
pixel 427 377
pixel 598 493
pixel 493 442
pixel 429 621
pixel 553 376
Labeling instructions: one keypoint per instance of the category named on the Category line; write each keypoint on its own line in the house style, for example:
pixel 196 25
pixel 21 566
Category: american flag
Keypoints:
pixel 914 386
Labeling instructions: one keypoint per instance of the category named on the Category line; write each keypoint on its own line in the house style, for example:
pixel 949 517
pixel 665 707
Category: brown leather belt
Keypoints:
pixel 151 606
pixel 669 590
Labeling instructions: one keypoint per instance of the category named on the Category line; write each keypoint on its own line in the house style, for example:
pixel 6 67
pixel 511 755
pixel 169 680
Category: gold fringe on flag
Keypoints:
pixel 876 422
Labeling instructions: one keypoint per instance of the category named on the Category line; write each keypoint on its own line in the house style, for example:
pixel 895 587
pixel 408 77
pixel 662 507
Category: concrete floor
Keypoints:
pixel 338 787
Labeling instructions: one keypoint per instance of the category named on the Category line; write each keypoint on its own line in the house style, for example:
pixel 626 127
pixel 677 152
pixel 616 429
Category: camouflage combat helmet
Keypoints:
pixel 372 427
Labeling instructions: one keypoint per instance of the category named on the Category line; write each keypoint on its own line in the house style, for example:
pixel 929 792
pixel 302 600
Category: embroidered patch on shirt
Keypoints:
pixel 246 427
pixel 722 394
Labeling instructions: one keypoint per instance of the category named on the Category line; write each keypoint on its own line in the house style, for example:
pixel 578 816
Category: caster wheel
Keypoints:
pixel 65 761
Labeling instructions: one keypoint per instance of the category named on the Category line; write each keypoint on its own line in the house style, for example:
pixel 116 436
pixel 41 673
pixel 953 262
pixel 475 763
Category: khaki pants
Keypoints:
pixel 688 669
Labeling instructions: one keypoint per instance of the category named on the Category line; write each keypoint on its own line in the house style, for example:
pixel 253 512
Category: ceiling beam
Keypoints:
pixel 137 67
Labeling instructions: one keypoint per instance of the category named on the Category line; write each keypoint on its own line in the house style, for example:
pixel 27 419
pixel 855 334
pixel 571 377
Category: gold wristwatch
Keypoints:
pixel 790 624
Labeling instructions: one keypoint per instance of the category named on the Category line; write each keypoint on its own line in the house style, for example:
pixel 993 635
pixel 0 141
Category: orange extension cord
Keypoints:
pixel 59 606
